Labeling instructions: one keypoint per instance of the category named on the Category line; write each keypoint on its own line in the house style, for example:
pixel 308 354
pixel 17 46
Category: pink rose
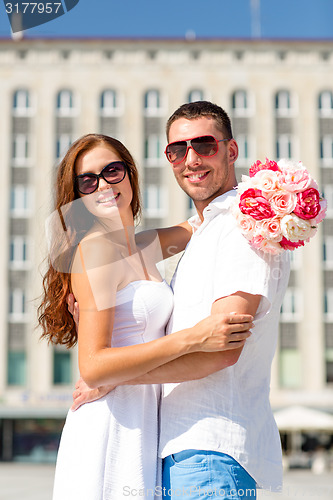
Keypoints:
pixel 266 180
pixel 246 224
pixel 293 177
pixel 260 243
pixel 308 205
pixel 282 202
pixel 257 166
pixel 322 213
pixel 270 229
pixel 290 245
pixel 253 203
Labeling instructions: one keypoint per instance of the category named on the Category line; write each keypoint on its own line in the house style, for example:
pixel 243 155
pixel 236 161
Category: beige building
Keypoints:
pixel 280 98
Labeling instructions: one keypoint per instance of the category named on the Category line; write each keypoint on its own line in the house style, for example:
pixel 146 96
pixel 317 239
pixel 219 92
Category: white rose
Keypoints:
pixel 294 229
pixel 244 185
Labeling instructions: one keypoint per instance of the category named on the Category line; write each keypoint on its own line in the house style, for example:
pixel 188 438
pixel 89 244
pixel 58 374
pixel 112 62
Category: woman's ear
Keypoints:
pixel 232 150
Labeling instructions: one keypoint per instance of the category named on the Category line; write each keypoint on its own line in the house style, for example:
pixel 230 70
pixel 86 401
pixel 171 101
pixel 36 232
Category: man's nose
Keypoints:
pixel 192 158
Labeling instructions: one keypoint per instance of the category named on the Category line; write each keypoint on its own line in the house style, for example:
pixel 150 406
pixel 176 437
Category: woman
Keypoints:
pixel 108 448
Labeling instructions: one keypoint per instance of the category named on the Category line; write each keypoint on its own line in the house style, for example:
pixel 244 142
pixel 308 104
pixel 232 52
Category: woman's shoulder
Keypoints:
pixel 95 250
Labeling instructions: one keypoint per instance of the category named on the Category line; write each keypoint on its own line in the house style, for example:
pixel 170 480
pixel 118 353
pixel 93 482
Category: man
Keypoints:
pixel 218 437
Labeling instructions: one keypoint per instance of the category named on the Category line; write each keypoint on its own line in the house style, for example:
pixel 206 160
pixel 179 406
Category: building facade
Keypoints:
pixel 279 96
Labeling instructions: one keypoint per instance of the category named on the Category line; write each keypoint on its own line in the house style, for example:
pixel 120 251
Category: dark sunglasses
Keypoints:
pixel 113 173
pixel 205 145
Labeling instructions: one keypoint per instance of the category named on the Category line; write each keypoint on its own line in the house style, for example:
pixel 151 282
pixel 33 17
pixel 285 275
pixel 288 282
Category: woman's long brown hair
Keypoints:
pixel 53 316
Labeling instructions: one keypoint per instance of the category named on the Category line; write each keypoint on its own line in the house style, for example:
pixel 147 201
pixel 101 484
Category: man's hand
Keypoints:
pixel 73 308
pixel 84 394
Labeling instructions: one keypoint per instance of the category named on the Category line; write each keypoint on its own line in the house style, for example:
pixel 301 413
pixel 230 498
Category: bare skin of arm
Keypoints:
pixel 190 366
pixel 171 240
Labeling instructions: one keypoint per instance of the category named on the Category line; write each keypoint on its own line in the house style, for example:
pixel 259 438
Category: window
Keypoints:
pixel 326 103
pixel 239 102
pixel 109 103
pixel 21 103
pixel 19 252
pixel 191 207
pixel 328 304
pixel 326 150
pixel 195 95
pixel 63 143
pixel 284 146
pixel 296 259
pixel 328 195
pixel 291 309
pixel 190 204
pixel 155 201
pixel 65 103
pixel 290 369
pixel 283 104
pixel 243 148
pixel 20 201
pixel 20 150
pixel 17 305
pixel 329 365
pixel 62 370
pixel 16 371
pixel 242 103
pixel 152 99
pixel 154 150
pixel 152 103
pixel 328 252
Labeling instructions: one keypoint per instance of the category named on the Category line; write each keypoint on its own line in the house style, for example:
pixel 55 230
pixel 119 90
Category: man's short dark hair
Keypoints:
pixel 193 110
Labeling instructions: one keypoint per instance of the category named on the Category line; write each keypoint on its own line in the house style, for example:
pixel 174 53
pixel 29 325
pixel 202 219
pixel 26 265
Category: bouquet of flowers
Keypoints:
pixel 278 206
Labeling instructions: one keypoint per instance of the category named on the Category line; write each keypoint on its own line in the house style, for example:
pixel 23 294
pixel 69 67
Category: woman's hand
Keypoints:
pixel 73 308
pixel 84 394
pixel 221 332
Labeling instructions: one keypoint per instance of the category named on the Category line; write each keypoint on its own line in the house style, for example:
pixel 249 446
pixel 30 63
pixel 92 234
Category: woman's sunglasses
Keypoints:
pixel 205 145
pixel 113 173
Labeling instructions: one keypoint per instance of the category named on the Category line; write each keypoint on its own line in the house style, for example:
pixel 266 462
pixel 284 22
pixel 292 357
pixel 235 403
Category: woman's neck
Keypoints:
pixel 120 233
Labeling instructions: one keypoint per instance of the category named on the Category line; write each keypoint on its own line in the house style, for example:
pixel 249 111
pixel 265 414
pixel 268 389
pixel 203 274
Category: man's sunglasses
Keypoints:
pixel 113 173
pixel 205 145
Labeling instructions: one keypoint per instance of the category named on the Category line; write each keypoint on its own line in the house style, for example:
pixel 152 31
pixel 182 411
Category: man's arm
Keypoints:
pixel 201 364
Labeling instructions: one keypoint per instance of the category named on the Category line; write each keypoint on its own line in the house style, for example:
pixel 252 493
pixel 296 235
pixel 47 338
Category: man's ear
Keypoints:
pixel 232 150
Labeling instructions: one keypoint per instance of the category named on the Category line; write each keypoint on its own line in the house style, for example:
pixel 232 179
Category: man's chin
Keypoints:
pixel 200 195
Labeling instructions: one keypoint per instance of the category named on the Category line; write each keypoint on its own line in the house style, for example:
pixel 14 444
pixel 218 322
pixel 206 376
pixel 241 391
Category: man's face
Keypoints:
pixel 203 178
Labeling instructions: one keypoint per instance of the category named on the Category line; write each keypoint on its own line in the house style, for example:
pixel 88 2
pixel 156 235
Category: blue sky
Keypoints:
pixel 303 19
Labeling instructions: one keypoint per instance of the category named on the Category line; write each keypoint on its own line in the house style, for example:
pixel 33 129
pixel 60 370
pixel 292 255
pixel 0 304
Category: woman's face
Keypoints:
pixel 109 200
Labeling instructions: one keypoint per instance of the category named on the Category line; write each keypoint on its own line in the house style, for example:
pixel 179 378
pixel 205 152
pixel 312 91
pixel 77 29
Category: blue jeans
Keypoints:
pixel 200 474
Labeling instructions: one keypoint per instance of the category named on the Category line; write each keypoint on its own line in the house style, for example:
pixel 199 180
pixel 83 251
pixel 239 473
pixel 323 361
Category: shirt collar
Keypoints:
pixel 215 207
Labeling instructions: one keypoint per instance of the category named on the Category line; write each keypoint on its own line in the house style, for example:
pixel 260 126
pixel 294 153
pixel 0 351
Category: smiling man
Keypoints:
pixel 204 164
pixel 218 436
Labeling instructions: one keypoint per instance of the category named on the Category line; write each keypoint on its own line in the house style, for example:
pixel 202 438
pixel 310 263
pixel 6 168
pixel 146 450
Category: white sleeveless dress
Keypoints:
pixel 108 448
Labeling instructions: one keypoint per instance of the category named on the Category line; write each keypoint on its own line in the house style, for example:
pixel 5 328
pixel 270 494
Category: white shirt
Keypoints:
pixel 228 411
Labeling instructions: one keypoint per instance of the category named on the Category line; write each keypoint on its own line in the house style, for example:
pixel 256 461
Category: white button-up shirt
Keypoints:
pixel 228 411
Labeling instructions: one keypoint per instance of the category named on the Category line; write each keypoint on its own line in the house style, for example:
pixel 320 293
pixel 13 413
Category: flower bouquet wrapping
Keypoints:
pixel 278 206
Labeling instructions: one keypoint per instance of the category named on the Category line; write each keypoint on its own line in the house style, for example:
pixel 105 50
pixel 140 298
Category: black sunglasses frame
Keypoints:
pixel 100 175
pixel 190 145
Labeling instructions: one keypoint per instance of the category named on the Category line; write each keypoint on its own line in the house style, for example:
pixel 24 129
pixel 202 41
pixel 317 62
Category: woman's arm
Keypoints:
pixel 175 238
pixel 101 364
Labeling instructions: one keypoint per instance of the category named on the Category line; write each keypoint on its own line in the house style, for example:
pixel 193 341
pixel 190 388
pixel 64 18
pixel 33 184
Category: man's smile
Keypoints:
pixel 197 177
